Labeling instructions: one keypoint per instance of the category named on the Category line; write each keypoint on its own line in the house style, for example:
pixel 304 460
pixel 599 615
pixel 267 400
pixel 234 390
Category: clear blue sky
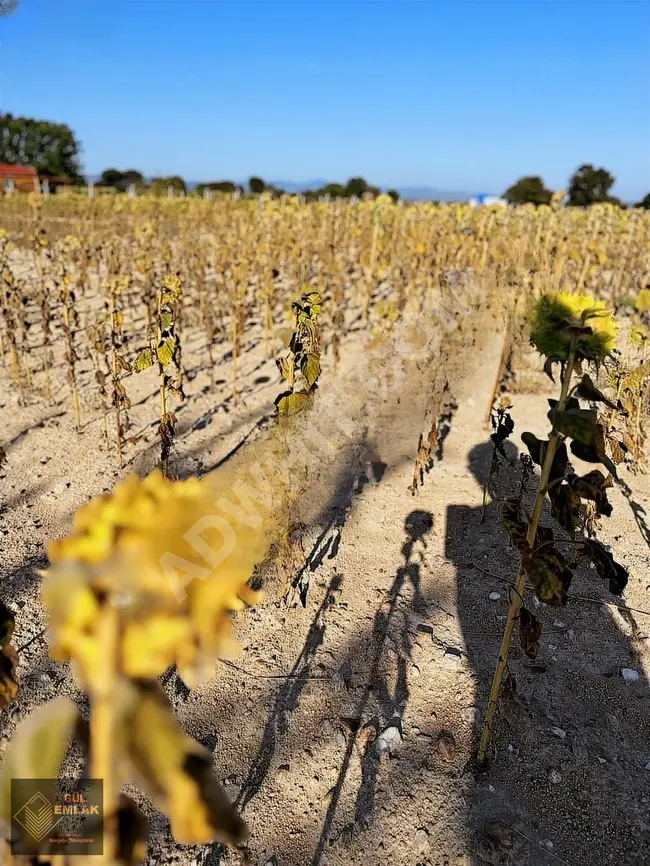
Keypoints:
pixel 456 95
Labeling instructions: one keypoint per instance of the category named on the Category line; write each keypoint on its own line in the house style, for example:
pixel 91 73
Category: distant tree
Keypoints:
pixel 590 185
pixel 528 190
pixel 177 183
pixel 393 194
pixel 218 186
pixel 160 185
pixel 644 203
pixel 356 186
pixel 333 190
pixel 256 185
pixel 121 180
pixel 110 177
pixel 131 176
pixel 157 186
pixel 51 148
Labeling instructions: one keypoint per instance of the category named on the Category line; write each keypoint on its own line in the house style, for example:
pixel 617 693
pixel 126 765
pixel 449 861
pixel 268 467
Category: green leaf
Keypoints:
pixel 577 424
pixel 606 565
pixel 165 320
pixel 7 624
pixel 592 486
pixel 586 390
pixel 291 403
pixel 37 747
pixel 143 360
pixel 165 350
pixel 311 369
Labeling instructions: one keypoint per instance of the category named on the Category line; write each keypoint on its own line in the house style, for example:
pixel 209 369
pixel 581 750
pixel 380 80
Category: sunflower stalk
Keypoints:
pixel 520 584
pixel 103 727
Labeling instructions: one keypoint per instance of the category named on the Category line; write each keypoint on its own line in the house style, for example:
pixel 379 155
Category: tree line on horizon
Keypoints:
pixel 588 185
pixel 121 180
pixel 52 149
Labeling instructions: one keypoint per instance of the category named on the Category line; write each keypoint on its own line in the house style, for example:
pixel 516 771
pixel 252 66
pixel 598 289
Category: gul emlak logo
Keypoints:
pixel 57 816
pixel 37 817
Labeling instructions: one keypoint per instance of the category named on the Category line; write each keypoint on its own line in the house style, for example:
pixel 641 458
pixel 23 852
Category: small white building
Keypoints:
pixel 484 198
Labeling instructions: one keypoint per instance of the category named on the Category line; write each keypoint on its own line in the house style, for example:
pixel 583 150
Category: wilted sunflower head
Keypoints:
pixel 561 320
pixel 152 548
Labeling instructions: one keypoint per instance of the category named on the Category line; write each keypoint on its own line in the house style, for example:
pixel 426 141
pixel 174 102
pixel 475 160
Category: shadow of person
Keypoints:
pixel 286 700
pixel 387 700
pixel 571 740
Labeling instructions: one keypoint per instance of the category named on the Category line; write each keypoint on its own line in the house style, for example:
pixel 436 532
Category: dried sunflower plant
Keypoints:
pixel 147 578
pixel 167 352
pixel 572 331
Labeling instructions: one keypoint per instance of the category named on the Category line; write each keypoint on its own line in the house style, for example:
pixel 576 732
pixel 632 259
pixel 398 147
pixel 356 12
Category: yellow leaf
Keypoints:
pixel 176 771
pixel 290 404
pixel 143 360
pixel 151 645
pixel 165 351
pixel 37 748
pixel 311 369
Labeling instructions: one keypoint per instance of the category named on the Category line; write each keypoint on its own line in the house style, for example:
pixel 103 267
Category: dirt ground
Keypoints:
pixel 345 729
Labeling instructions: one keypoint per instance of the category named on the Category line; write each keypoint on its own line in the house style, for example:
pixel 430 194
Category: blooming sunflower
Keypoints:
pixel 560 320
pixel 133 548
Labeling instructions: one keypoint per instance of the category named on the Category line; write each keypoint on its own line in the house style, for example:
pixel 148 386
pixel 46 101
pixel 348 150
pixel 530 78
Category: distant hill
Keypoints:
pixel 410 193
pixel 429 193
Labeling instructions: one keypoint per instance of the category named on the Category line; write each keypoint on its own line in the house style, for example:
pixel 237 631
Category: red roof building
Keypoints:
pixel 25 178
pixel 22 178
pixel 17 171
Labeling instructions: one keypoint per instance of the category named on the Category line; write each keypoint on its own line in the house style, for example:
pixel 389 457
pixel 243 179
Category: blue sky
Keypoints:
pixel 455 95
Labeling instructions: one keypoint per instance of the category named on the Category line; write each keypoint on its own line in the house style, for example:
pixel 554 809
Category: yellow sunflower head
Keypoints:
pixel 559 321
pixel 175 563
